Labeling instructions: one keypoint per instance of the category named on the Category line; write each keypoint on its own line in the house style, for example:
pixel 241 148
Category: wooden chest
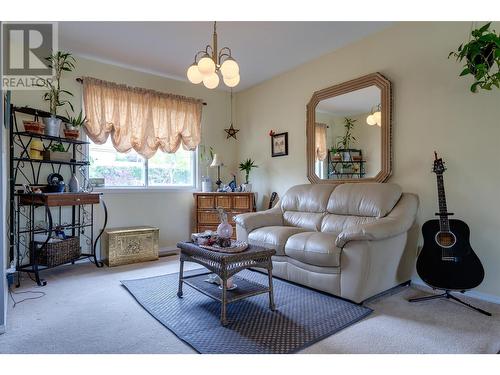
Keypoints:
pixel 129 245
pixel 206 216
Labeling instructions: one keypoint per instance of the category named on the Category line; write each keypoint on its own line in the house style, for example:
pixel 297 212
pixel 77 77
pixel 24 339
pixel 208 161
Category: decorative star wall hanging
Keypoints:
pixel 231 132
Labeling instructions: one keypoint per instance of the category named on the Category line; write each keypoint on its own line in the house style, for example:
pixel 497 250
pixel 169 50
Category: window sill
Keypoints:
pixel 127 190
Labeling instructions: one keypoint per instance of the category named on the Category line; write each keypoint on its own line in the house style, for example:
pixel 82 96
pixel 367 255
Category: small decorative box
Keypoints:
pixel 129 245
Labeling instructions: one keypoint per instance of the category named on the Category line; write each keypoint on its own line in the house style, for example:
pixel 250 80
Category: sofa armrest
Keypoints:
pixel 399 220
pixel 253 220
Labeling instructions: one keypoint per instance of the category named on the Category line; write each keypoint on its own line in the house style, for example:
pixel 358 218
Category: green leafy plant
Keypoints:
pixel 247 166
pixel 76 121
pixel 60 62
pixel 347 138
pixel 482 58
pixel 58 147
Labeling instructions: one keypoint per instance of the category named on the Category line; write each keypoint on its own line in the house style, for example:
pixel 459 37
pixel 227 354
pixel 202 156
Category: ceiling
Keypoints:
pixel 262 49
pixel 351 104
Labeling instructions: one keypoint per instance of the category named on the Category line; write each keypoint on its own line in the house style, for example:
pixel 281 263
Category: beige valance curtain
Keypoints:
pixel 320 139
pixel 142 119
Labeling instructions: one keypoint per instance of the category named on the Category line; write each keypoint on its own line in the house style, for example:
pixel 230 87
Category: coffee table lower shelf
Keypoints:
pixel 245 288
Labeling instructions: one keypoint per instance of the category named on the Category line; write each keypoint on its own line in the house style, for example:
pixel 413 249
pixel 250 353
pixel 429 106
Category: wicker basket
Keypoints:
pixel 56 253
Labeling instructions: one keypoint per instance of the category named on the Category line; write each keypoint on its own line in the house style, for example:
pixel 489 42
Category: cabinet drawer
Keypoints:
pixel 205 201
pixel 242 202
pixel 223 201
pixel 208 217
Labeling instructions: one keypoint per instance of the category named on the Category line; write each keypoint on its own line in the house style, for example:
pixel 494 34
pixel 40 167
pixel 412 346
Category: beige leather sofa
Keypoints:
pixel 350 240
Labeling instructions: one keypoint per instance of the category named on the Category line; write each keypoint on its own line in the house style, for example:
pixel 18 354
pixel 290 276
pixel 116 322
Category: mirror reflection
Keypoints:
pixel 348 135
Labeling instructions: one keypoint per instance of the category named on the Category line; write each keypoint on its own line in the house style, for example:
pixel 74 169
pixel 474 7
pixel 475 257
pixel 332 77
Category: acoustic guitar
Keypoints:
pixel 447 260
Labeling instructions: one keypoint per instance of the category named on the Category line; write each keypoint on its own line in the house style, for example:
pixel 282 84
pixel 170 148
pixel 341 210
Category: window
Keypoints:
pixel 130 170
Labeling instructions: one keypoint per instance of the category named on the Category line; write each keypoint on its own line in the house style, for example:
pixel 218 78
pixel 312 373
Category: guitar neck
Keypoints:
pixel 443 210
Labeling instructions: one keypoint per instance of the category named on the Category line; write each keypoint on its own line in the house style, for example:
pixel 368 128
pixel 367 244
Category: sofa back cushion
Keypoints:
pixel 304 206
pixel 307 198
pixel 364 199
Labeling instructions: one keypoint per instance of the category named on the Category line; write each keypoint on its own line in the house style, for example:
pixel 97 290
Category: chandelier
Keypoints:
pixel 375 116
pixel 208 64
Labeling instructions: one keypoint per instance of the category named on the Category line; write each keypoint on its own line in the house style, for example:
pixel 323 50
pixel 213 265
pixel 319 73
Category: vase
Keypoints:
pixel 206 184
pixel 52 126
pixel 225 230
pixel 74 184
pixel 247 187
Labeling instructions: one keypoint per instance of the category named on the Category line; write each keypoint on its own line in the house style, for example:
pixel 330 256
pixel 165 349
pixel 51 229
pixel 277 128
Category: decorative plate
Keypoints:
pixel 236 247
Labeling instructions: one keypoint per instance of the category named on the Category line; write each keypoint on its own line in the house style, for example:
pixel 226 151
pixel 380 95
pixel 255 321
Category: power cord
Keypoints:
pixel 40 295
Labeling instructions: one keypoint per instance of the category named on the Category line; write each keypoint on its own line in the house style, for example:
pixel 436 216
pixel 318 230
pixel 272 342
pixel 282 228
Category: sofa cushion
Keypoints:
pixel 307 198
pixel 367 199
pixel 272 237
pixel 306 220
pixel 338 223
pixel 314 248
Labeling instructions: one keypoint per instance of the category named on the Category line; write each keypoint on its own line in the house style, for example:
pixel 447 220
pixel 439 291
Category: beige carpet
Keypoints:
pixel 86 310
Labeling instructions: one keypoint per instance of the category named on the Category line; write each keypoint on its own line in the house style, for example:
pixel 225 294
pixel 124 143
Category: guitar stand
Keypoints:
pixel 447 294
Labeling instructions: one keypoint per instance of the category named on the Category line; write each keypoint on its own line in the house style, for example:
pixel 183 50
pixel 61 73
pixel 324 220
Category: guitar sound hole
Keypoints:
pixel 445 239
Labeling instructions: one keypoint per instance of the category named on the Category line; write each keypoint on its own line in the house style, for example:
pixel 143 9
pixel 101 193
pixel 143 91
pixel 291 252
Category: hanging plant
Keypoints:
pixel 482 58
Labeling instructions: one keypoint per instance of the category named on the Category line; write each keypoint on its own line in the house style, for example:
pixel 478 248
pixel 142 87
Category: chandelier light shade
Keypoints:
pixel 370 120
pixel 211 81
pixel 232 82
pixel 209 65
pixel 206 65
pixel 230 68
pixel 194 74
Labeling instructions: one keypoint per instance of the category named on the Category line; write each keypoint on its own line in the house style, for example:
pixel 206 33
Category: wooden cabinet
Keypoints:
pixel 206 216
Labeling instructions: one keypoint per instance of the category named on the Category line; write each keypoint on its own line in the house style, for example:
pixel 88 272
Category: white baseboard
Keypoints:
pixel 166 251
pixel 471 293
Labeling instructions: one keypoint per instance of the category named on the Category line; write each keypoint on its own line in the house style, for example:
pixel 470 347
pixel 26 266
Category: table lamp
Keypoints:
pixel 217 162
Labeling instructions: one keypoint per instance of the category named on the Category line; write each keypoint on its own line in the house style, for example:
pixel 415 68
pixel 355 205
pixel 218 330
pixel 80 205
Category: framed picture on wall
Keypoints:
pixel 279 144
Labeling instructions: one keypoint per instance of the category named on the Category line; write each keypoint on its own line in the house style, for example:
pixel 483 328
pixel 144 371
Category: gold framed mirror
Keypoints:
pixel 349 129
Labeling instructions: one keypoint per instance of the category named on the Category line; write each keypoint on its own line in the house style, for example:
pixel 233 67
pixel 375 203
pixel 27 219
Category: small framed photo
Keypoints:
pixel 279 144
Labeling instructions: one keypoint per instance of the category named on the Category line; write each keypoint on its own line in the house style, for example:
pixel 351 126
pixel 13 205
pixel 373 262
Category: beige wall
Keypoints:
pixel 433 109
pixel 170 211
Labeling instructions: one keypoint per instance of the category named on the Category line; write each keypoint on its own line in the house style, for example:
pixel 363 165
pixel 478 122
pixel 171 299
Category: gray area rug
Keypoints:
pixel 303 316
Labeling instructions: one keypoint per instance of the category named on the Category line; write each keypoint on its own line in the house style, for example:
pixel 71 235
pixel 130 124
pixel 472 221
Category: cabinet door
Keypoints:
pixel 223 201
pixel 242 202
pixel 205 201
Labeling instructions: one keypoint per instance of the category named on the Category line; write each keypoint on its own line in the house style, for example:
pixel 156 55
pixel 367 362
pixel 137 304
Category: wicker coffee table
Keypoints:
pixel 226 265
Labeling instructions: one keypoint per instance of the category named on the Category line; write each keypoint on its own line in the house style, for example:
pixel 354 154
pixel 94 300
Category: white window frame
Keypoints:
pixel 149 189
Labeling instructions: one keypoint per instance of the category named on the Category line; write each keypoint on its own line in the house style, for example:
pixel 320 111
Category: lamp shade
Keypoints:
pixel 216 162
pixel 211 81
pixel 230 68
pixel 370 120
pixel 194 74
pixel 231 82
pixel 378 118
pixel 206 65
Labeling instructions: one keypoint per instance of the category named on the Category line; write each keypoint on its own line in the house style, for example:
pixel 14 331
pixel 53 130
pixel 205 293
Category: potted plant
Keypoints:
pixel 347 138
pixel 57 152
pixel 60 62
pixel 73 124
pixel 481 55
pixel 247 166
pixel 335 154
